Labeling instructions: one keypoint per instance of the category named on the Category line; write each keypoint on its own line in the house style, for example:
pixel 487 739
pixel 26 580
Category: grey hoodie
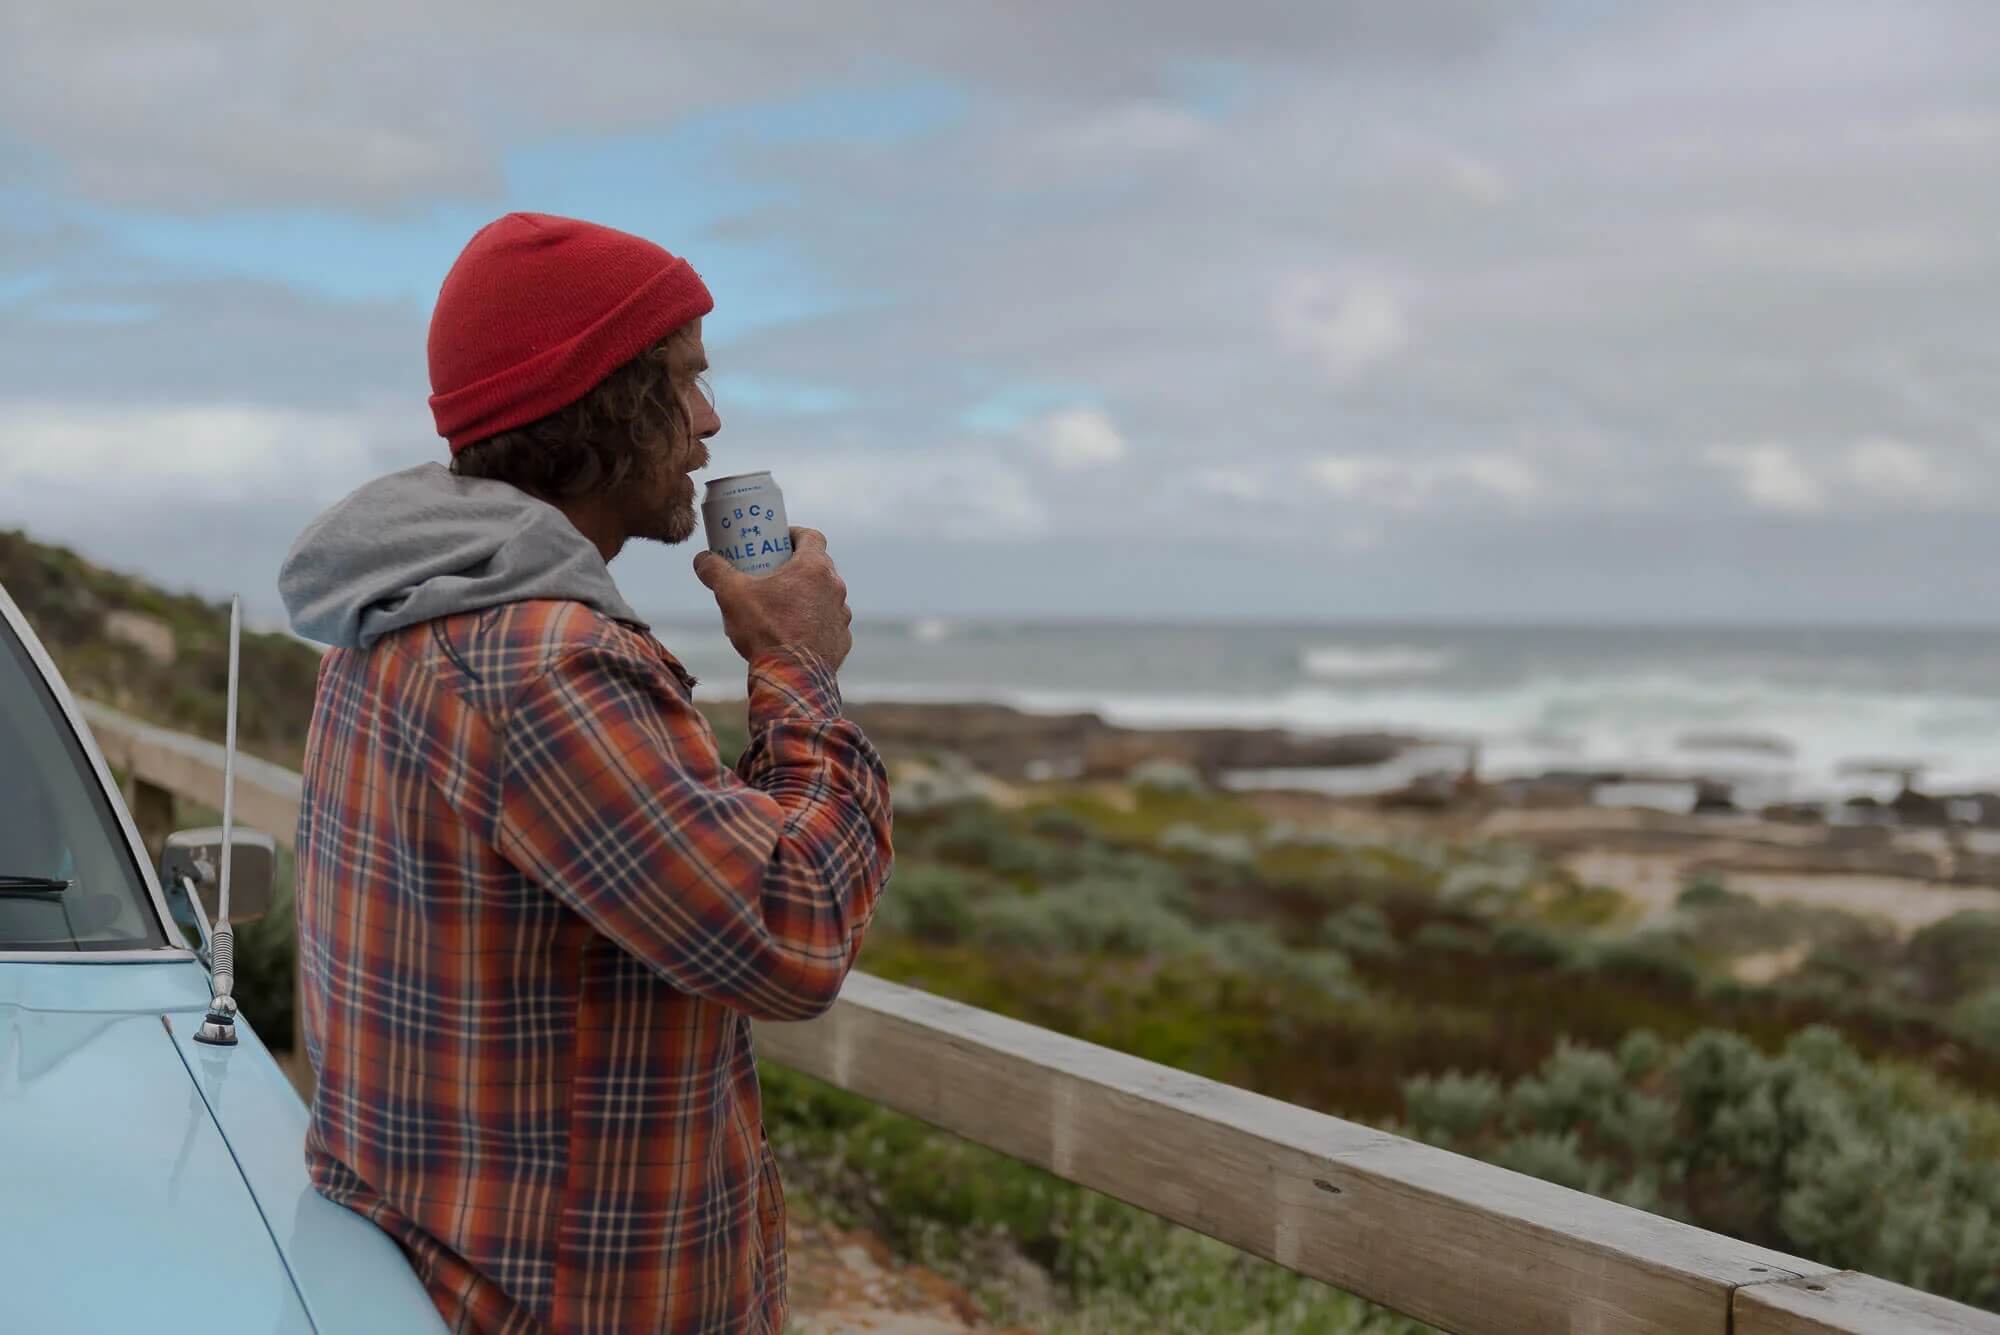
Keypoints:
pixel 422 544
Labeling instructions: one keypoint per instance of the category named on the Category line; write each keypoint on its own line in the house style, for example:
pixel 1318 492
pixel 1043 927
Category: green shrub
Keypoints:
pixel 1977 1019
pixel 1048 846
pixel 1450 938
pixel 1022 922
pixel 1253 949
pixel 1453 1105
pixel 1090 916
pixel 1059 823
pixel 1108 862
pixel 1814 1150
pixel 1567 903
pixel 1225 846
pixel 1533 943
pixel 1644 959
pixel 928 902
pixel 1725 926
pixel 1575 1087
pixel 977 835
pixel 1955 957
pixel 1640 1053
pixel 1553 1157
pixel 1494 874
pixel 1706 890
pixel 1834 967
pixel 1360 929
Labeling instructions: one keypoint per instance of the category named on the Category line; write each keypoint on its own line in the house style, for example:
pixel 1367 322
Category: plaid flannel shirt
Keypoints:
pixel 536 916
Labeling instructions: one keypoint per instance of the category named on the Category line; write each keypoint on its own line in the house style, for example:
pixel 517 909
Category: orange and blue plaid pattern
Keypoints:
pixel 536 916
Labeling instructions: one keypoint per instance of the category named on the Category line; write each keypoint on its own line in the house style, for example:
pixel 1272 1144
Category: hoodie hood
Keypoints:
pixel 422 544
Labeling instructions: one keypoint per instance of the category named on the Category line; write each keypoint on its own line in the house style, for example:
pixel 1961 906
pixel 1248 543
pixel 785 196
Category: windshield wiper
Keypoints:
pixel 31 885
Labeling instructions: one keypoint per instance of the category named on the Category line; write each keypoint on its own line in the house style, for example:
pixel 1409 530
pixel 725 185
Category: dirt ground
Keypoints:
pixel 845 1280
pixel 1907 877
pixel 1656 879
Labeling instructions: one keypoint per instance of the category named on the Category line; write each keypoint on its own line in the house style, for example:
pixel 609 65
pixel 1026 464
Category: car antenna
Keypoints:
pixel 219 1025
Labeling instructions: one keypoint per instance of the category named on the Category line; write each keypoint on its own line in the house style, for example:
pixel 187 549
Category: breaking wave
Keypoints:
pixel 1346 662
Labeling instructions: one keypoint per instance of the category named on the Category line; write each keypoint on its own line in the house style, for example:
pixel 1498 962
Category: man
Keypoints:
pixel 536 912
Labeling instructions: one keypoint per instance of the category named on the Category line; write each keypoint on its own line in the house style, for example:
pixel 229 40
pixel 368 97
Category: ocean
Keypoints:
pixel 1785 714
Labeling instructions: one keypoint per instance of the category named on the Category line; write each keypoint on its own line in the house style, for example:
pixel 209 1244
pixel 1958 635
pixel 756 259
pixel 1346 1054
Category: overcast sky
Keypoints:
pixel 1590 309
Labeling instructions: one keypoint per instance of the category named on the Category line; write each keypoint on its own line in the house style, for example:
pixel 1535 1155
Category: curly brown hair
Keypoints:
pixel 626 426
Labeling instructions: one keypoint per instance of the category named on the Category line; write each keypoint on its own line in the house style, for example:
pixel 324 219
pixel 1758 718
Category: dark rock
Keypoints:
pixel 1010 743
pixel 1915 808
pixel 1713 795
pixel 1547 790
pixel 1751 743
pixel 1427 792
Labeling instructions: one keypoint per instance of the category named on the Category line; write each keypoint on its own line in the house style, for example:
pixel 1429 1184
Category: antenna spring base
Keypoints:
pixel 218 1027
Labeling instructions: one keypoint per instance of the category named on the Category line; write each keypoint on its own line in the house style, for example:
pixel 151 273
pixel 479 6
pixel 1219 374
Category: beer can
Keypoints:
pixel 744 519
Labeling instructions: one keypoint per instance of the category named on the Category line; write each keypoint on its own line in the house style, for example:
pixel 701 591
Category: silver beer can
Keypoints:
pixel 744 518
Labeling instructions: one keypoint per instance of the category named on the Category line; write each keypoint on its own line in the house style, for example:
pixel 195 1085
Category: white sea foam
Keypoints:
pixel 1783 715
pixel 1636 724
pixel 1356 662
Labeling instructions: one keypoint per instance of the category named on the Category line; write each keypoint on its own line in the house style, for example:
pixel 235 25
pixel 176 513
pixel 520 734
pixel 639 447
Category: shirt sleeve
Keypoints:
pixel 752 888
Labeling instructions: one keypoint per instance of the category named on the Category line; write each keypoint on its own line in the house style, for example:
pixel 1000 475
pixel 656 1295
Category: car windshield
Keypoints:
pixel 57 822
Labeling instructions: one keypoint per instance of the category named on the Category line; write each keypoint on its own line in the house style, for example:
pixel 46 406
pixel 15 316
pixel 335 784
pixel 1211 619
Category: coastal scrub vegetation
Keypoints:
pixel 169 661
pixel 1796 1076
pixel 1811 1149
pixel 1481 998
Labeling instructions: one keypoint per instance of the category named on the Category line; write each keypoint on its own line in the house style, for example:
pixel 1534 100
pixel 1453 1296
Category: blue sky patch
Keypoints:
pixel 775 396
pixel 1007 408
pixel 678 185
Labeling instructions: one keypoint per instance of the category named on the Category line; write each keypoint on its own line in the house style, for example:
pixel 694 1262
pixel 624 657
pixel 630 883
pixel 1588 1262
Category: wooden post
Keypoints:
pixel 153 813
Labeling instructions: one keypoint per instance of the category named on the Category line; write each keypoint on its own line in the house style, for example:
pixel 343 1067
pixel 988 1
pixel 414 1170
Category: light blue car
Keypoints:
pixel 148 1182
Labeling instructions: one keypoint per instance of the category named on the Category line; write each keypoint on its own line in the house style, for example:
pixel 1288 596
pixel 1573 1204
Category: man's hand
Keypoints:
pixel 800 605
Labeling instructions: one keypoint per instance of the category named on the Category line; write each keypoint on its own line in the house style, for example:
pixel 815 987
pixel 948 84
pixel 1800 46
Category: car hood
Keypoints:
pixel 149 1182
pixel 121 1206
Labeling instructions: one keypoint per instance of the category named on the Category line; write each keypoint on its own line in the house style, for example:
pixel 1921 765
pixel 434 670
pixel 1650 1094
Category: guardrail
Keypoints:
pixel 1458 1243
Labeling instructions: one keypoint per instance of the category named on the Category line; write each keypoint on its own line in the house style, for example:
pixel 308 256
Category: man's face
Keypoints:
pixel 664 501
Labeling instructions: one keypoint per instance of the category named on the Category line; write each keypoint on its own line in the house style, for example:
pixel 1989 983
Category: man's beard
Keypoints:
pixel 674 520
pixel 674 523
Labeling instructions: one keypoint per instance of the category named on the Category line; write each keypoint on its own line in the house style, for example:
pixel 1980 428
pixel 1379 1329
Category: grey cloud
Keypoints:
pixel 1656 272
pixel 212 341
pixel 373 103
pixel 1616 241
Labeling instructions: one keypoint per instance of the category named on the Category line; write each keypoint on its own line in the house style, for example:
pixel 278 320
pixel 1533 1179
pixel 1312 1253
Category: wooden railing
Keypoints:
pixel 1453 1241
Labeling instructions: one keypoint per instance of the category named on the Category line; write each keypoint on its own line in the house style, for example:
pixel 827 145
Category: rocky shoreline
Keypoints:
pixel 1909 860
pixel 1015 746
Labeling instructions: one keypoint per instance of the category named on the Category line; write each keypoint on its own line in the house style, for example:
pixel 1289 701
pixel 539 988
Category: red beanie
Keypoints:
pixel 537 309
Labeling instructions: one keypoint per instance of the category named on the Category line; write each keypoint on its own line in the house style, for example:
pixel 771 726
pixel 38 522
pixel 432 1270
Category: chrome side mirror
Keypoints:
pixel 197 855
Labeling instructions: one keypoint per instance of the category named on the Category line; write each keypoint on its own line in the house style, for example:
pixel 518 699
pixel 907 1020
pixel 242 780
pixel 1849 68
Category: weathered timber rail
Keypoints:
pixel 1458 1243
